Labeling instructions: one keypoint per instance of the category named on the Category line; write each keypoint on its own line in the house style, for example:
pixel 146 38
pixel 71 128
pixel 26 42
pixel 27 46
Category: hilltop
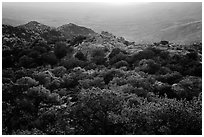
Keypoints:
pixel 70 30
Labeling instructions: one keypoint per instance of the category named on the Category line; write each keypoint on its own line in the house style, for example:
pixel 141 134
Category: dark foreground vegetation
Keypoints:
pixel 54 88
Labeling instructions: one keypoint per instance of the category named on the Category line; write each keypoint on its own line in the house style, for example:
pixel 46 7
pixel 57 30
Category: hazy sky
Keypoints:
pixel 54 10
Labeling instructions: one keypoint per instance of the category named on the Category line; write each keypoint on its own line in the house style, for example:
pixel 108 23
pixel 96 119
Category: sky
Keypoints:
pixel 60 11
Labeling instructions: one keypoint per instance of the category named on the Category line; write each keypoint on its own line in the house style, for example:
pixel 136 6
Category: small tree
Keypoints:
pixel 49 58
pixel 79 55
pixel 98 56
pixel 60 50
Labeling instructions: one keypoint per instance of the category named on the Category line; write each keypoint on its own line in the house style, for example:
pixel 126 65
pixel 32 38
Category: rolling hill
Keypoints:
pixel 184 33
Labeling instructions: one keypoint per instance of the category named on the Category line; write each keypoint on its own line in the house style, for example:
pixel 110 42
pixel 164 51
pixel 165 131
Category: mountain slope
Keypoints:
pixel 184 33
pixel 36 27
pixel 21 33
pixel 70 30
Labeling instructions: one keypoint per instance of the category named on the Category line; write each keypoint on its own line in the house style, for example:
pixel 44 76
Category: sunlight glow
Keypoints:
pixel 122 2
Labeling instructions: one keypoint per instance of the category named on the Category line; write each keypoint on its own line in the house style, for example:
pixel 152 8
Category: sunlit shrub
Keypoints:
pixel 59 71
pixel 72 63
pixel 27 81
pixel 91 114
pixel 89 83
pixel 188 88
pixel 118 57
pixel 168 116
pixel 170 78
pixel 149 66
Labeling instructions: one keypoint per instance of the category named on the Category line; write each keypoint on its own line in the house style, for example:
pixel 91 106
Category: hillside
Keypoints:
pixel 12 36
pixel 35 27
pixel 70 30
pixel 183 33
pixel 72 81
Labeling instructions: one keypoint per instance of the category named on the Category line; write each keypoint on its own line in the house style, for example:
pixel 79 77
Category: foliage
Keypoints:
pixel 91 114
pixel 49 58
pixel 98 56
pixel 59 71
pixel 25 61
pixel 170 78
pixel 121 63
pixel 52 87
pixel 72 63
pixel 79 55
pixel 27 81
pixel 149 66
pixel 77 40
pixel 60 50
pixel 144 54
pixel 188 88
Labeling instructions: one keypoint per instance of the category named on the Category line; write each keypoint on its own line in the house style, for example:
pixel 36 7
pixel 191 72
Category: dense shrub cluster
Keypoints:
pixel 56 89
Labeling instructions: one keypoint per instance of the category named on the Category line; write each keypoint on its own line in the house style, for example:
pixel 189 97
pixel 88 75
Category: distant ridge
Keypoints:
pixel 184 33
pixel 12 22
pixel 71 30
pixel 68 30
pixel 35 30
pixel 35 26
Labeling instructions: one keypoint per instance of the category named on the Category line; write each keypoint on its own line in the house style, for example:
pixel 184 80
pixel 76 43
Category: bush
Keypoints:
pixel 72 80
pixel 72 63
pixel 49 58
pixel 170 78
pixel 26 61
pixel 168 116
pixel 192 55
pixel 163 89
pixel 27 81
pixel 80 56
pixel 110 74
pixel 59 71
pixel 188 88
pixel 44 78
pixel 117 58
pixel 121 63
pixel 92 113
pixel 8 61
pixel 145 54
pixel 98 56
pixel 41 94
pixel 36 55
pixel 114 52
pixel 60 50
pixel 77 40
pixel 95 82
pixel 149 66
